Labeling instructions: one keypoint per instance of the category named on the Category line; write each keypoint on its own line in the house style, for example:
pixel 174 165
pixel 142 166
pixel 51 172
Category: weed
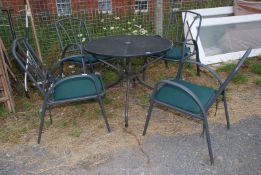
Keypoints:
pixel 107 100
pixel 257 81
pixel 239 78
pixel 3 112
pixel 256 68
pixel 28 105
pixel 62 124
pixel 227 68
pixel 76 132
pixel 159 77
pixel 109 76
pixel 144 99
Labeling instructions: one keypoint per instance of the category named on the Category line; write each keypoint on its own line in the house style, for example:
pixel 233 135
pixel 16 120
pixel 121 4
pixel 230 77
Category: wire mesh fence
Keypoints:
pixel 102 17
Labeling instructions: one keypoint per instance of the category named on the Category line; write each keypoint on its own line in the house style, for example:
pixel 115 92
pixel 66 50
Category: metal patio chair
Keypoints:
pixel 179 27
pixel 73 34
pixel 57 90
pixel 192 99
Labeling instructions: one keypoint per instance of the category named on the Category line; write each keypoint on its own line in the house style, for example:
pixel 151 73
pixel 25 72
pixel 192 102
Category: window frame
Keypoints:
pixel 69 3
pixel 141 10
pixel 106 4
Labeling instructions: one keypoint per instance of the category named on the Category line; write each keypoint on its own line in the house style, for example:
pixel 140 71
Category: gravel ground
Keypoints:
pixel 236 151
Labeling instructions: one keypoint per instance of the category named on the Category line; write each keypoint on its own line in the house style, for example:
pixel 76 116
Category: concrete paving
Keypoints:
pixel 236 152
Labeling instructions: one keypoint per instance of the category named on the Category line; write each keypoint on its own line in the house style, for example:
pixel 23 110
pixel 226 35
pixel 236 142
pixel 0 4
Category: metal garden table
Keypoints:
pixel 126 47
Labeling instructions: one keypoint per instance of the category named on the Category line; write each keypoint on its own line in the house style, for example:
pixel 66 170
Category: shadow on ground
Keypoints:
pixel 236 151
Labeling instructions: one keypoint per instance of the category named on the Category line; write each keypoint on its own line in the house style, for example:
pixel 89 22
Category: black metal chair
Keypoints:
pixel 192 99
pixel 178 29
pixel 57 90
pixel 185 42
pixel 73 34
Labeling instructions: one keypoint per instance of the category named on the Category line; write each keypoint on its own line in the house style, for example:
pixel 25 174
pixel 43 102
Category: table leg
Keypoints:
pixel 128 78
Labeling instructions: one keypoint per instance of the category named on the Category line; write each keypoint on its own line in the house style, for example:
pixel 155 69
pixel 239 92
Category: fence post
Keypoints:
pixel 158 20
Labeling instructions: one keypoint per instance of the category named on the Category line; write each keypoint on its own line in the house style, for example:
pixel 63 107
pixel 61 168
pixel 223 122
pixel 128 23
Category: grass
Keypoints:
pixel 227 68
pixel 12 131
pixel 239 78
pixel 144 99
pixel 3 112
pixel 256 68
pixel 257 81
pixel 109 76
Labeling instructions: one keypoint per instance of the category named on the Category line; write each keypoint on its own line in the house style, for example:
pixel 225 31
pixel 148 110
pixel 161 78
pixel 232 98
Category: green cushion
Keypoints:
pixel 176 97
pixel 77 87
pixel 175 53
pixel 88 58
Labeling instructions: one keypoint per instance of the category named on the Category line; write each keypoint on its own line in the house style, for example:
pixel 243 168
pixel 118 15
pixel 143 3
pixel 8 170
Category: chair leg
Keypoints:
pixel 50 114
pixel 148 117
pixel 104 114
pixel 203 130
pixel 197 57
pixel 226 110
pixel 208 140
pixel 42 115
pixel 61 70
pixel 198 67
pixel 144 70
pixel 166 64
pixel 180 69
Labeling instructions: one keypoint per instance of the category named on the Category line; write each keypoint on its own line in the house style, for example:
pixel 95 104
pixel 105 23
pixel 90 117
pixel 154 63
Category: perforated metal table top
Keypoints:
pixel 123 46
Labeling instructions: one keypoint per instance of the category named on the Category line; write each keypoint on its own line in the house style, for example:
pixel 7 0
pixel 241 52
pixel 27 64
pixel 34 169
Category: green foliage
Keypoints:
pixel 256 68
pixel 239 78
pixel 109 76
pixel 144 99
pixel 76 132
pixel 227 68
pixel 107 100
pixel 3 112
pixel 28 105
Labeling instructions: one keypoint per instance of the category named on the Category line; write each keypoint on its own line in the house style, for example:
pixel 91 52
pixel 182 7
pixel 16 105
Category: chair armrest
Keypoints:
pixel 183 88
pixel 210 70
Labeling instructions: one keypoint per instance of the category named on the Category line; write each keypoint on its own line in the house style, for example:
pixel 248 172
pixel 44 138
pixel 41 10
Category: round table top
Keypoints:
pixel 123 46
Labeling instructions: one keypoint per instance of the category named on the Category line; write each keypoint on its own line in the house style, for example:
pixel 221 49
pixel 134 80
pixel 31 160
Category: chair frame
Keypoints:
pixel 182 36
pixel 203 110
pixel 76 46
pixel 48 83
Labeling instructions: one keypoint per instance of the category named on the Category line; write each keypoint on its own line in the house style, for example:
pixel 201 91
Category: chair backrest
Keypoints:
pixel 71 31
pixel 180 26
pixel 29 62
pixel 230 76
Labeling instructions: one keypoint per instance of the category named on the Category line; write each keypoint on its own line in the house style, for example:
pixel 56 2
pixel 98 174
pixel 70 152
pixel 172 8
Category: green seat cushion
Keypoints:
pixel 175 53
pixel 174 96
pixel 87 59
pixel 77 87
